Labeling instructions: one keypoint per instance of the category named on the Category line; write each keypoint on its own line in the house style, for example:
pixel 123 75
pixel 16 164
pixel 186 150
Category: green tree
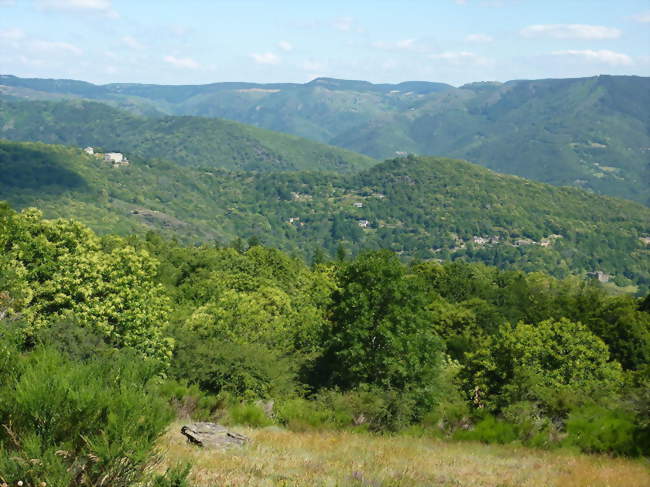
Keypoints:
pixel 557 364
pixel 381 331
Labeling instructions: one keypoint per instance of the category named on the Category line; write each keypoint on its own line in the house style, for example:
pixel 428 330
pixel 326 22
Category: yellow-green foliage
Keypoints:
pixel 57 269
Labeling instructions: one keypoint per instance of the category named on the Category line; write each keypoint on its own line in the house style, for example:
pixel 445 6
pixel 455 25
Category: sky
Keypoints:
pixel 205 41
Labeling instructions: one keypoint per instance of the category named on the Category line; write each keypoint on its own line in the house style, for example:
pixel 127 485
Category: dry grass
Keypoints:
pixel 283 458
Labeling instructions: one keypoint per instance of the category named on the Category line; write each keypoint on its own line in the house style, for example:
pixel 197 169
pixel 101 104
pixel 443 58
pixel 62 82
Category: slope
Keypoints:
pixel 186 140
pixel 592 133
pixel 428 208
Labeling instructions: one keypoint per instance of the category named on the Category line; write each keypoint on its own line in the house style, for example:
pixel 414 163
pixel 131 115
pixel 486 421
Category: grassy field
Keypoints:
pixel 283 458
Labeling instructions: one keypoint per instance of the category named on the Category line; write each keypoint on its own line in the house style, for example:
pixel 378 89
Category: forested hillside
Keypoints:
pixel 105 340
pixel 425 208
pixel 191 141
pixel 592 133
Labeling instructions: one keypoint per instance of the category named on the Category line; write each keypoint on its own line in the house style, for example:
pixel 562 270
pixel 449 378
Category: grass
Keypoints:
pixel 277 457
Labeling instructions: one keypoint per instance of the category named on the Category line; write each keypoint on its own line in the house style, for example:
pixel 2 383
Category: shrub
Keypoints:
pixel 251 371
pixel 303 415
pixel 490 430
pixel 249 415
pixel 76 424
pixel 596 429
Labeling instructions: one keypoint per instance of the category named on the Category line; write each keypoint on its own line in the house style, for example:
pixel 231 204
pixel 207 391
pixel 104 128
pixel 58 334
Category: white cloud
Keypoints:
pixel 404 44
pixel 7 3
pixel 643 17
pixel 182 62
pixel 132 42
pixel 461 2
pixel 53 46
pixel 100 6
pixel 347 24
pixel 571 31
pixel 265 58
pixel 13 34
pixel 603 56
pixel 285 46
pixel 77 4
pixel 460 57
pixel 479 38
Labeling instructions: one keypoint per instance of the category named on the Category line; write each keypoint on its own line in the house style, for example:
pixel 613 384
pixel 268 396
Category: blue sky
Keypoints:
pixel 203 41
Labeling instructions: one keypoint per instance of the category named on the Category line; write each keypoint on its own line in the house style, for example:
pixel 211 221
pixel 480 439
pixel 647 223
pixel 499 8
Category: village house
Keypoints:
pixel 116 158
pixel 363 223
pixel 89 150
pixel 358 204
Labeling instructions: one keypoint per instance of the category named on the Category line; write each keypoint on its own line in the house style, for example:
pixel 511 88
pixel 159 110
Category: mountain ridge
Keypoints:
pixel 590 132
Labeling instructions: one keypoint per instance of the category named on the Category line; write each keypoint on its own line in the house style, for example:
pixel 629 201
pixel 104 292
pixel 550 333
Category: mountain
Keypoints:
pixel 420 207
pixel 192 141
pixel 592 133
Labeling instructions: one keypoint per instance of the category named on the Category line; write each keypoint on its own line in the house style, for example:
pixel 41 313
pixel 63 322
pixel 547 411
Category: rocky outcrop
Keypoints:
pixel 211 435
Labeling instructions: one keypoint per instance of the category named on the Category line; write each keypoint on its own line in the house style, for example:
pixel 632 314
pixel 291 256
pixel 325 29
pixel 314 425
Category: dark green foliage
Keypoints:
pixel 245 370
pixel 381 333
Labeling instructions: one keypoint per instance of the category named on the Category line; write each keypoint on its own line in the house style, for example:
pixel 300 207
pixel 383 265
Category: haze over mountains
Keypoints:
pixel 592 133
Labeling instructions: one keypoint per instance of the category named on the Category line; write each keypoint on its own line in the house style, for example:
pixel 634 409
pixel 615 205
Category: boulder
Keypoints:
pixel 211 435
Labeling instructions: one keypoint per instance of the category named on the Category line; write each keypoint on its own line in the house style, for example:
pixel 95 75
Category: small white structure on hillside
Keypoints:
pixel 117 158
pixel 89 150
pixel 358 204
pixel 363 223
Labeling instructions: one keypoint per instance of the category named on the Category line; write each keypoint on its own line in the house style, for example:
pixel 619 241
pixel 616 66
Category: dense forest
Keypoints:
pixel 420 208
pixel 587 132
pixel 191 141
pixel 106 338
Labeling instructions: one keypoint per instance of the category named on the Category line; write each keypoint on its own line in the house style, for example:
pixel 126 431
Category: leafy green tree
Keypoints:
pixel 556 363
pixel 381 331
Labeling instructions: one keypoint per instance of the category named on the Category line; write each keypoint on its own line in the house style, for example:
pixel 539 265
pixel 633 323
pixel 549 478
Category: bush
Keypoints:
pixel 76 424
pixel 249 415
pixel 490 430
pixel 251 371
pixel 304 415
pixel 595 429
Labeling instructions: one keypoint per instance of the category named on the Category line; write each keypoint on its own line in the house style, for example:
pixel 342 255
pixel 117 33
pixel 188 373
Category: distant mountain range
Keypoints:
pixel 420 207
pixel 592 133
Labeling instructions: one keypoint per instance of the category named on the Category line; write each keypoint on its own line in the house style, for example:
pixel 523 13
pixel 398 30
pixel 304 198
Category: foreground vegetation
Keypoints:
pixel 104 340
pixel 278 457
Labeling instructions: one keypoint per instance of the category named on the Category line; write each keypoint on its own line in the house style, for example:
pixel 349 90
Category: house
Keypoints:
pixel 294 219
pixel 358 204
pixel 117 158
pixel 363 223
pixel 89 150
pixel 479 240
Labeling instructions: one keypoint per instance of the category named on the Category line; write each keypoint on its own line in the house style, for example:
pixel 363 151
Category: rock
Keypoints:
pixel 211 435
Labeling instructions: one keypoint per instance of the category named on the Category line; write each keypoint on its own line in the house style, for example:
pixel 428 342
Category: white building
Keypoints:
pixel 114 157
pixel 89 150
pixel 358 204
pixel 363 223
